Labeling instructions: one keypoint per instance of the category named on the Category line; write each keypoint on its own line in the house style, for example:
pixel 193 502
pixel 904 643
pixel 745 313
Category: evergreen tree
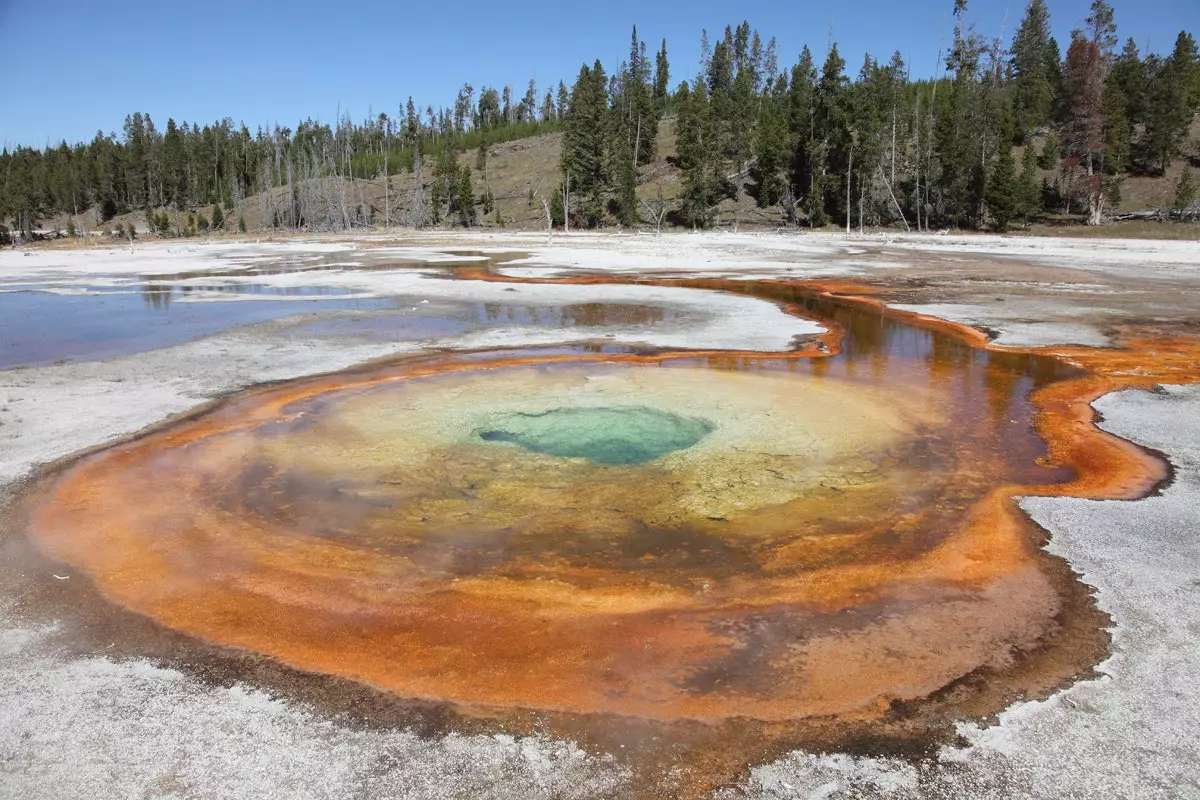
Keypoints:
pixel 1128 75
pixel 1051 152
pixel 218 218
pixel 815 206
pixel 1003 194
pixel 697 153
pixel 1170 107
pixel 584 147
pixel 801 124
pixel 445 184
pixel 563 101
pixel 662 77
pixel 464 198
pixel 557 217
pixel 241 224
pixel 1029 188
pixel 771 147
pixel 1033 67
pixel 1185 189
pixel 640 108
pixel 832 130
pixel 1118 130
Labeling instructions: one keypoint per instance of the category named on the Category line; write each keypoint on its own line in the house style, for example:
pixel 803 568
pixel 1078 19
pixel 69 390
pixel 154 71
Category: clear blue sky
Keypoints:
pixel 73 67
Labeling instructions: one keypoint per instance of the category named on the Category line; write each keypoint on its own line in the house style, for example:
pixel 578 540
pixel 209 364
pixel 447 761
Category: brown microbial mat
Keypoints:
pixel 712 558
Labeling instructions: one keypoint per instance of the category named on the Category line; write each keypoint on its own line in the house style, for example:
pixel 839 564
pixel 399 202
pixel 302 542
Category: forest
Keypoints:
pixel 812 143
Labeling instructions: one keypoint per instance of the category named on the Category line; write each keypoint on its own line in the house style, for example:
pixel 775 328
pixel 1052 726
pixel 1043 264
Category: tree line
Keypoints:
pixel 1004 131
pixel 817 146
pixel 299 176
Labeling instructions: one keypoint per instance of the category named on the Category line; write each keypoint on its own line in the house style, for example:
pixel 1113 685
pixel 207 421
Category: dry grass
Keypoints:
pixel 516 170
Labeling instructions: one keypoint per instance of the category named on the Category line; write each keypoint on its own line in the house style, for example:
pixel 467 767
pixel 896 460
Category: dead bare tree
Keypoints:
pixel 656 209
pixel 417 216
pixel 567 204
pixel 893 196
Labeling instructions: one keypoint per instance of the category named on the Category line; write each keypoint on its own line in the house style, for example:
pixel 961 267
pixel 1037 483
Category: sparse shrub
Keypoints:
pixel 1050 153
pixel 1185 189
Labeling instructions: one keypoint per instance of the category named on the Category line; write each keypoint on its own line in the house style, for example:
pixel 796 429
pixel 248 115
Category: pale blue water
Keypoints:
pixel 607 435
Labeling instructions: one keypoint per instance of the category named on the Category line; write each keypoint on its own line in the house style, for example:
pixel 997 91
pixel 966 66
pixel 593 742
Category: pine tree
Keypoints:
pixel 1118 130
pixel 641 110
pixel 563 101
pixel 464 198
pixel 815 206
pixel 1170 107
pixel 801 124
pixel 1033 81
pixel 1051 152
pixel 1029 188
pixel 1003 196
pixel 1128 74
pixel 662 77
pixel 696 154
pixel 1185 189
pixel 445 184
pixel 832 130
pixel 584 147
pixel 771 148
pixel 241 224
pixel 218 218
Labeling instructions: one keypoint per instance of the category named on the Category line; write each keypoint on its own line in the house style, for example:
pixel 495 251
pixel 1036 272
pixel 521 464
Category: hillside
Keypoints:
pixel 523 172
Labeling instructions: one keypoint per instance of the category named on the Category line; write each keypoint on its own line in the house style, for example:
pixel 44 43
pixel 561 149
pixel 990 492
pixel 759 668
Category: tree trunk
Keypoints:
pixel 849 164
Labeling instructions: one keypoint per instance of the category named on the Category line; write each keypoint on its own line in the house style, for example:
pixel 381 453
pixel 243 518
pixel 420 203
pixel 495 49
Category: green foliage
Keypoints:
pixel 1035 71
pixel 815 205
pixel 1029 190
pixel 557 217
pixel 71 228
pixel 1185 189
pixel 465 198
pixel 1003 194
pixel 1051 153
pixel 771 150
pixel 939 144
pixel 584 148
pixel 697 155
pixel 159 223
pixel 446 181
pixel 1118 130
pixel 662 79
pixel 1172 103
pixel 241 225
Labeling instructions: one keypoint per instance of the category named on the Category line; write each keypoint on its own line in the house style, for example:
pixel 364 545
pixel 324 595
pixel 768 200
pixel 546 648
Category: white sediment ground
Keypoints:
pixel 75 726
